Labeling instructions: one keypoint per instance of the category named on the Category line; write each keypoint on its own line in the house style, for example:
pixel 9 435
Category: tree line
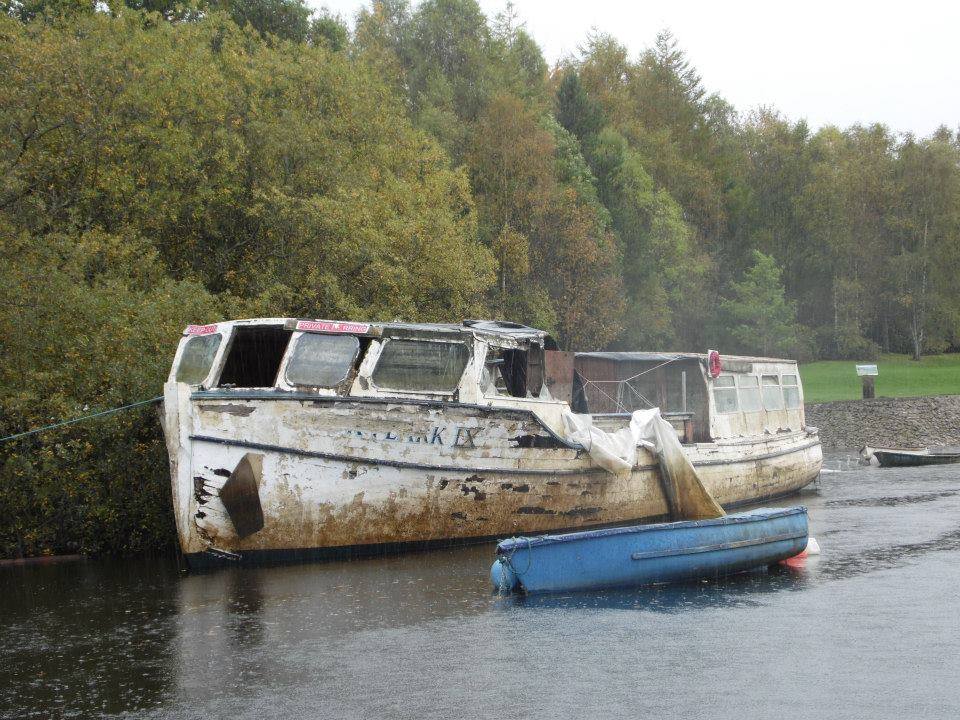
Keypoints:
pixel 163 163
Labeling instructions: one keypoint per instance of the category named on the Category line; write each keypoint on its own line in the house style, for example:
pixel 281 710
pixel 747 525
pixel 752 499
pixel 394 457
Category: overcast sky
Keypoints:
pixel 833 62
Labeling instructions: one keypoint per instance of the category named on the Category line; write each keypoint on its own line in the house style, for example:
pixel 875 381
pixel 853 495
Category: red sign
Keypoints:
pixel 329 326
pixel 200 329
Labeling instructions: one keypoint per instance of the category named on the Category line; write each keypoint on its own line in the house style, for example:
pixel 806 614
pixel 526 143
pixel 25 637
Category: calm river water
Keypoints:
pixel 870 629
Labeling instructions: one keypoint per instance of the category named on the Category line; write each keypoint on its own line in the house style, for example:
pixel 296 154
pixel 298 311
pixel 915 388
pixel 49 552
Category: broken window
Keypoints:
pixel 772 395
pixel 492 381
pixel 725 394
pixel 504 373
pixel 513 372
pixel 254 356
pixel 791 391
pixel 322 360
pixel 197 358
pixel 420 365
pixel 749 393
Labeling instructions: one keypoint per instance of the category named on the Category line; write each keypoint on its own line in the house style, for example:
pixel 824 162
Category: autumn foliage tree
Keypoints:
pixel 131 204
pixel 168 162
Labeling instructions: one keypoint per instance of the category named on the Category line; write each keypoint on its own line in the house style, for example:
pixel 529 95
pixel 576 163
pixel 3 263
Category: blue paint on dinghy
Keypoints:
pixel 649 554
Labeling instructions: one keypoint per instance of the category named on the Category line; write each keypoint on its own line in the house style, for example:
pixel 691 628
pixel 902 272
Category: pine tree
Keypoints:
pixel 762 320
pixel 575 110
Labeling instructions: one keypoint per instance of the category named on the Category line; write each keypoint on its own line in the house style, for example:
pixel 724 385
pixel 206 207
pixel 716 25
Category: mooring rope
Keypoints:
pixel 655 367
pixel 64 423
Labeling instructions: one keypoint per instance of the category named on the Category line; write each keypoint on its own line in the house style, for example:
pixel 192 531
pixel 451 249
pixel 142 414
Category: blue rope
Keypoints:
pixel 54 426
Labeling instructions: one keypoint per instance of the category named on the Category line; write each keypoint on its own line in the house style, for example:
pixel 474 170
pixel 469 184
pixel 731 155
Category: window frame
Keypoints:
pixel 291 355
pixel 726 389
pixel 213 357
pixel 795 386
pixel 779 394
pixel 385 343
pixel 756 388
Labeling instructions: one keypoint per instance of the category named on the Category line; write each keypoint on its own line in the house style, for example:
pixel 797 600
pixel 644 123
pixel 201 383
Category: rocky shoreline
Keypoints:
pixel 897 422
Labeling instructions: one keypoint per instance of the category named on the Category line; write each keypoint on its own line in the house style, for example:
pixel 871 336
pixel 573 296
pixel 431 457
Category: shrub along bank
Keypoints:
pixel 158 174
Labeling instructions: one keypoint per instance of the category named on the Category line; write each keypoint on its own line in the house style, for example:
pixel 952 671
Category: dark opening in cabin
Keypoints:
pixel 515 372
pixel 253 359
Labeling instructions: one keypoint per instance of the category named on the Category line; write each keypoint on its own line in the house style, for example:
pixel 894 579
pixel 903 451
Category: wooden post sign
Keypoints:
pixel 868 374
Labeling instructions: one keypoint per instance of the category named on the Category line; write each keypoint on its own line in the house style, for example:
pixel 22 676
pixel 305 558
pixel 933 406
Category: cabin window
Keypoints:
pixel 197 358
pixel 512 372
pixel 322 360
pixel 749 393
pixel 492 379
pixel 419 365
pixel 772 395
pixel 791 392
pixel 725 394
pixel 253 359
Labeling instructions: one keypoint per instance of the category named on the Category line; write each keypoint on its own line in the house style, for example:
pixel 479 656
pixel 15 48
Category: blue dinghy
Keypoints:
pixel 649 554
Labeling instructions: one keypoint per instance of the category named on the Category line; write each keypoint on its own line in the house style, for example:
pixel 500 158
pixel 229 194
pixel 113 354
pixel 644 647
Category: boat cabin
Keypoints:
pixel 494 364
pixel 749 397
pixel 460 363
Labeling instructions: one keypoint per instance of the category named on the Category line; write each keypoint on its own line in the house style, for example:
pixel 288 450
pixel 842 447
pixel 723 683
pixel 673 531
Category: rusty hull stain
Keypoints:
pixel 434 515
pixel 448 508
pixel 450 512
pixel 444 510
pixel 442 503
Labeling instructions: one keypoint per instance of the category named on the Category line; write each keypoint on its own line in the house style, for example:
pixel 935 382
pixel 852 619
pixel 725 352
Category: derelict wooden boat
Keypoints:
pixel 299 439
pixel 649 554
pixel 889 457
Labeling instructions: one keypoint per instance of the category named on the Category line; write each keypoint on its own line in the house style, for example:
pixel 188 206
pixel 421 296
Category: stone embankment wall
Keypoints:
pixel 888 422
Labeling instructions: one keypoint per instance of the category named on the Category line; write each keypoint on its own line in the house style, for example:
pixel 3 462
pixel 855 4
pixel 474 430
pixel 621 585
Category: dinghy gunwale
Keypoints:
pixel 511 545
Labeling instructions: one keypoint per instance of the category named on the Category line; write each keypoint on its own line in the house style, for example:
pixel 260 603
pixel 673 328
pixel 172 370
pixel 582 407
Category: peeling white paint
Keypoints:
pixel 338 471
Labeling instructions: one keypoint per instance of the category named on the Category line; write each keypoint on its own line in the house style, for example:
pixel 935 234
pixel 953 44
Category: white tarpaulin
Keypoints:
pixel 617 453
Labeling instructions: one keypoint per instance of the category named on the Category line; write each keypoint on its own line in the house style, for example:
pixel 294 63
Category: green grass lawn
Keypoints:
pixel 899 377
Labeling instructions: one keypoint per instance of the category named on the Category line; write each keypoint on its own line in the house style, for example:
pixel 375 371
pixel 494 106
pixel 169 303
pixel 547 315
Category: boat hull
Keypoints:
pixel 650 554
pixel 337 478
pixel 906 458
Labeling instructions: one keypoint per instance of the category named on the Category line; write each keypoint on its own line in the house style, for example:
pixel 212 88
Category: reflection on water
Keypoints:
pixel 738 591
pixel 888 556
pixel 871 625
pixel 87 636
pixel 891 501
